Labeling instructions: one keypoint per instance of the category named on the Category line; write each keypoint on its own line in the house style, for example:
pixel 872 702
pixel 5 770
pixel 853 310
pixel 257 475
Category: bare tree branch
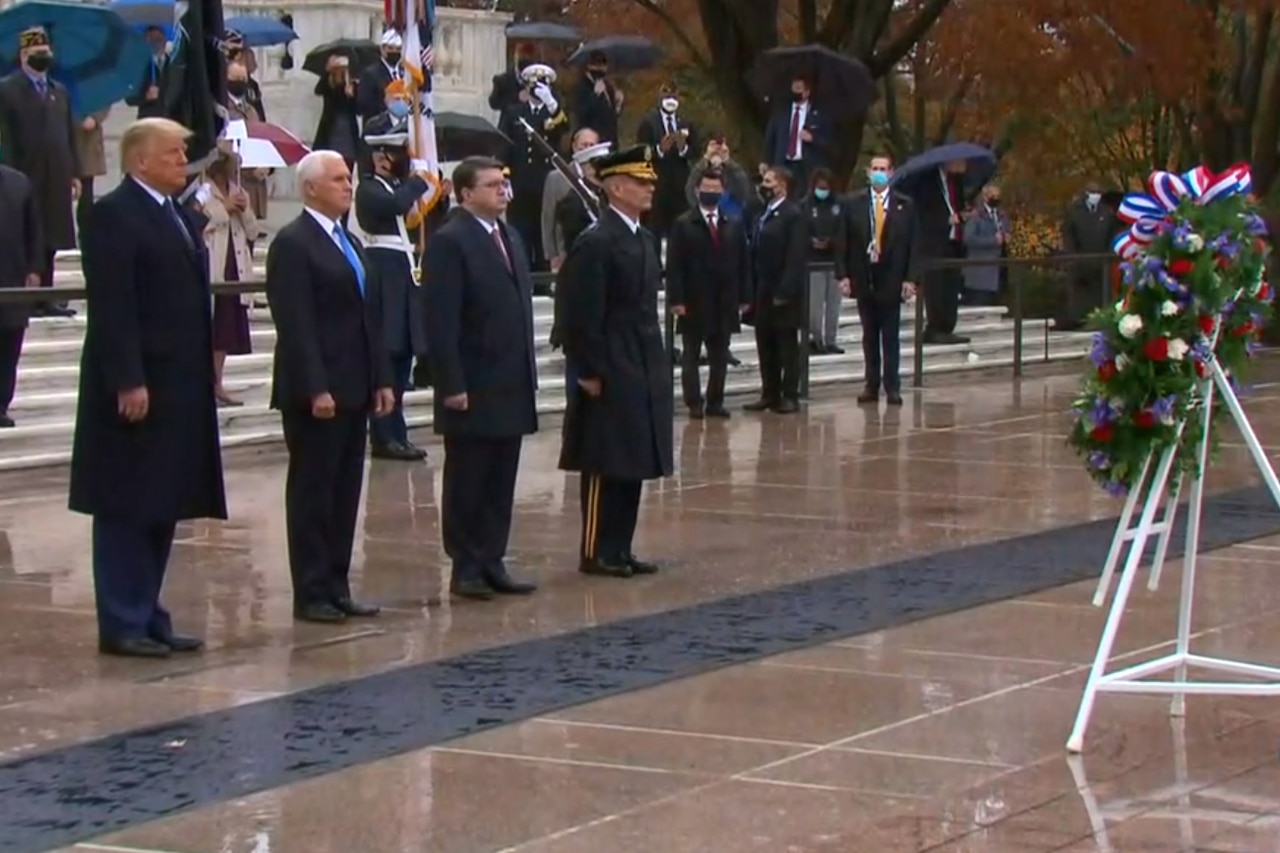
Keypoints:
pixel 677 29
pixel 886 58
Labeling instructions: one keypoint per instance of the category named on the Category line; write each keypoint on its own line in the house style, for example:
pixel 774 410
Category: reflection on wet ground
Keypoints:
pixel 845 525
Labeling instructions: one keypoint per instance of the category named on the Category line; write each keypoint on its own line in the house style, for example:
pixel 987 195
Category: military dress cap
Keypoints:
pixel 384 125
pixel 595 152
pixel 635 162
pixel 538 73
pixel 391 38
pixel 33 37
pixel 386 141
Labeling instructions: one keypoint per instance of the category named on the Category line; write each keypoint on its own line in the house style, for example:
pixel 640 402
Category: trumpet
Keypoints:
pixel 579 186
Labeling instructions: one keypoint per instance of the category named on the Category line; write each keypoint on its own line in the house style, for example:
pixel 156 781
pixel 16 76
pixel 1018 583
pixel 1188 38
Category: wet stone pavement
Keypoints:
pixel 871 635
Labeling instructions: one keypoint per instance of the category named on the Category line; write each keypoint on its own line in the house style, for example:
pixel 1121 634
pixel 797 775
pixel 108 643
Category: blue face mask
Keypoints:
pixel 879 180
pixel 709 199
pixel 398 109
pixel 821 194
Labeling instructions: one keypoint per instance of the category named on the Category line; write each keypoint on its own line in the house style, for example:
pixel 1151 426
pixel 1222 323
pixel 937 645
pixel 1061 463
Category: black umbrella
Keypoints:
pixel 841 84
pixel 542 31
pixel 624 53
pixel 361 52
pixel 980 162
pixel 459 136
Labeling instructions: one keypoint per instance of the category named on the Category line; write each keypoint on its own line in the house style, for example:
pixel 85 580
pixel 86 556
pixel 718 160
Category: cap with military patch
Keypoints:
pixel 33 37
pixel 635 162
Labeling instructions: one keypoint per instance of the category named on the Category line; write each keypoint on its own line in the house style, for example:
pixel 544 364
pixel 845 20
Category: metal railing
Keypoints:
pixel 1048 272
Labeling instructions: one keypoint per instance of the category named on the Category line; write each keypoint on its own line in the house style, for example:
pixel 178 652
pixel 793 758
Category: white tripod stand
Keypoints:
pixel 1155 486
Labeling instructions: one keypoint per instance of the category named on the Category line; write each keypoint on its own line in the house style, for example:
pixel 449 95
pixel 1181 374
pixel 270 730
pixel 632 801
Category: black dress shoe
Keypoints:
pixel 503 584
pixel 868 396
pixel 605 569
pixel 140 647
pixel 835 350
pixel 717 412
pixel 418 452
pixel 641 567
pixel 787 407
pixel 180 643
pixel 697 413
pixel 761 405
pixel 355 608
pixel 476 590
pixel 322 613
pixel 894 399
pixel 397 452
pixel 6 422
pixel 734 361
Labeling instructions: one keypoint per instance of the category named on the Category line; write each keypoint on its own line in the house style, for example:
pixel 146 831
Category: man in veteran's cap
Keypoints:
pixel 371 88
pixel 38 133
pixel 617 428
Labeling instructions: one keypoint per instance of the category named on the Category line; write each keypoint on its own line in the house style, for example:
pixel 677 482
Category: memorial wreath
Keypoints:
pixel 1193 292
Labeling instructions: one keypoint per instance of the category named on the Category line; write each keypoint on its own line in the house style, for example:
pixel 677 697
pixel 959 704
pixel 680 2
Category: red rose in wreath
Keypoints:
pixel 1144 419
pixel 1103 434
pixel 1156 349
pixel 1245 328
pixel 1264 292
pixel 1107 371
pixel 1181 267
pixel 1206 324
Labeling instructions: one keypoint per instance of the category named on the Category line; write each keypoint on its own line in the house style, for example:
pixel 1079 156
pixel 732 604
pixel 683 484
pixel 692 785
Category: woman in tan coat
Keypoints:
pixel 230 226
pixel 92 154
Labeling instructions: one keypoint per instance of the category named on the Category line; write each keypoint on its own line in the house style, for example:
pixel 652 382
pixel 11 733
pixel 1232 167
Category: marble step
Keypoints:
pixel 38 442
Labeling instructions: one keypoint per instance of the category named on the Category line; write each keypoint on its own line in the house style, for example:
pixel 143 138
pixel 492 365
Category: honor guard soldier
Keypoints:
pixel 384 197
pixel 537 112
pixel 618 425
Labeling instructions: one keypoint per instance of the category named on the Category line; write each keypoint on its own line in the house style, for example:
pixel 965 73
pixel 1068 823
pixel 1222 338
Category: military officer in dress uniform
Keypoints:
pixel 383 198
pixel 529 163
pixel 618 426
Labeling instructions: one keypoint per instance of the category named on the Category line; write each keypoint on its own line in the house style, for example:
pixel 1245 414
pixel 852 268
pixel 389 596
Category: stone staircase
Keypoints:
pixel 46 400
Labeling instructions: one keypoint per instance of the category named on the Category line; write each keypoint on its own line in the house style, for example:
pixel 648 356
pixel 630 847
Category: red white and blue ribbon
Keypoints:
pixel 1147 212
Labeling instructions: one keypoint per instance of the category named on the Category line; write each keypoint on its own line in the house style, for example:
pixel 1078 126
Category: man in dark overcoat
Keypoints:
pixel 146 452
pixel 479 313
pixel 708 286
pixel 383 199
pixel 618 423
pixel 37 137
pixel 21 260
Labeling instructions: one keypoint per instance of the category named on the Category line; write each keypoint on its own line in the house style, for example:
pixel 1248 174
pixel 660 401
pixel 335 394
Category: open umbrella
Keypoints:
pixel 460 136
pixel 543 31
pixel 361 52
pixel 262 145
pixel 980 165
pixel 624 53
pixel 144 14
pixel 96 53
pixel 261 31
pixel 841 85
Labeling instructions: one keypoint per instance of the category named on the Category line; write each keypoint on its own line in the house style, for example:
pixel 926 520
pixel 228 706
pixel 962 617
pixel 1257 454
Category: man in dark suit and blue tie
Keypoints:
pixel 878 266
pixel 479 313
pixel 146 452
pixel 331 370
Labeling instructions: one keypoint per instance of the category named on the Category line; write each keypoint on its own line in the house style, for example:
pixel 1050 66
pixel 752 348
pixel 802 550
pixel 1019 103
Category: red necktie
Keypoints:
pixel 715 232
pixel 502 247
pixel 794 144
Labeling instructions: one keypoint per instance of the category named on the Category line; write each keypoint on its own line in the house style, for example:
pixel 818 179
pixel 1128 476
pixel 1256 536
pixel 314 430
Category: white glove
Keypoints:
pixel 416 165
pixel 204 193
pixel 543 93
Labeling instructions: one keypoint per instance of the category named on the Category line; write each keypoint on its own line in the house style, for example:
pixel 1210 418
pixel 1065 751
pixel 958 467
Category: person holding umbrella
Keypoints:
pixel 148 97
pixel 797 136
pixel 597 103
pixel 339 126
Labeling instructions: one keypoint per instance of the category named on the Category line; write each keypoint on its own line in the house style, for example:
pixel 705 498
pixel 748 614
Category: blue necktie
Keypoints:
pixel 42 89
pixel 352 258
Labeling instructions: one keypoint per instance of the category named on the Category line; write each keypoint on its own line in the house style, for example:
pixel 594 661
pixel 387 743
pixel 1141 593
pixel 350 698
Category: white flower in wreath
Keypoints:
pixel 1195 242
pixel 1170 308
pixel 1257 284
pixel 1130 325
pixel 1178 349
pixel 1122 361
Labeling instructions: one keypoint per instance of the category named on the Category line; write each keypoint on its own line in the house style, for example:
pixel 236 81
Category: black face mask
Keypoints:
pixel 709 198
pixel 237 88
pixel 393 57
pixel 767 193
pixel 399 165
pixel 993 202
pixel 797 97
pixel 40 62
pixel 597 73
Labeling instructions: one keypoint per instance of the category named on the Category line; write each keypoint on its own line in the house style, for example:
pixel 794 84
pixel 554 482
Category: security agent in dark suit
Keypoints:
pixel 797 137
pixel 708 286
pixel 479 310
pixel 331 371
pixel 779 271
pixel 878 266
pixel 146 453
pixel 618 421
pixel 21 260
pixel 383 198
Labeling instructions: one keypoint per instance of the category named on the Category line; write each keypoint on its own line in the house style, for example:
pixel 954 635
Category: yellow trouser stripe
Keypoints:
pixel 591 531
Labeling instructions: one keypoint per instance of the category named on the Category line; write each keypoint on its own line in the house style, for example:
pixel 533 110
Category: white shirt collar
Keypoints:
pixel 325 222
pixel 713 213
pixel 882 195
pixel 773 205
pixel 488 224
pixel 160 198
pixel 631 223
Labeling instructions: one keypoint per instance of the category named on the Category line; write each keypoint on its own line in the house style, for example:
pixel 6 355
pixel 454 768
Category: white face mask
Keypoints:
pixel 1092 198
pixel 669 104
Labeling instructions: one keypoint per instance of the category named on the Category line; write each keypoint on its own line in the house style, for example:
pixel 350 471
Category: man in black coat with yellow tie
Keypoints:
pixel 877 265
pixel 780 273
pixel 331 371
pixel 618 424
pixel 146 452
pixel 479 314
